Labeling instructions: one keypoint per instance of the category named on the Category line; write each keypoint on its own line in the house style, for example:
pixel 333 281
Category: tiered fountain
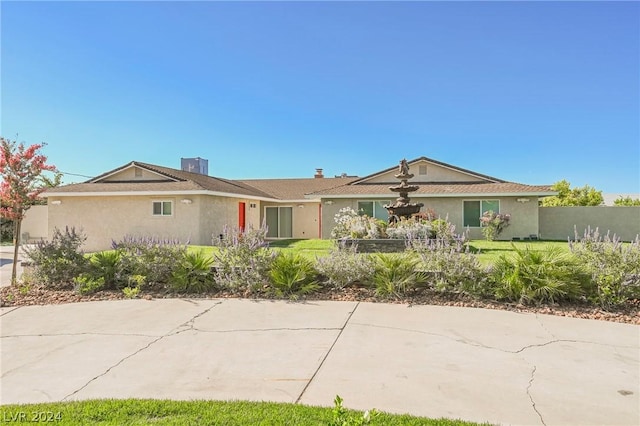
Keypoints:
pixel 403 208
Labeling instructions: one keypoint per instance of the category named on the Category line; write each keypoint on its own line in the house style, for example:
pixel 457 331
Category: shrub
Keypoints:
pixel 409 228
pixel 396 273
pixel 530 276
pixel 244 259
pixel 57 262
pixel 344 266
pixel 493 224
pixel 614 267
pixel 193 273
pixel 151 257
pixel 135 283
pixel 86 284
pixel 106 265
pixel 442 229
pixel 291 275
pixel 351 225
pixel 453 266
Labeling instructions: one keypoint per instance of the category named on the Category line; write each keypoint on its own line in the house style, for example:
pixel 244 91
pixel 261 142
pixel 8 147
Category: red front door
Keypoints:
pixel 241 216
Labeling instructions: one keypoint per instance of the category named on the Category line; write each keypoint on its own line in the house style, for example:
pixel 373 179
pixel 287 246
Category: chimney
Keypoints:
pixel 318 174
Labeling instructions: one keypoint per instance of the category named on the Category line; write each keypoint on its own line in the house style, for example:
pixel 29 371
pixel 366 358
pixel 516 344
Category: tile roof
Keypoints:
pixel 288 189
pixel 295 189
pixel 439 189
pixel 177 180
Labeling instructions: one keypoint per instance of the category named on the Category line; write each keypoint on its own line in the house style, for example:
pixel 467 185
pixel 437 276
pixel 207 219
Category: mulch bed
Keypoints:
pixel 37 295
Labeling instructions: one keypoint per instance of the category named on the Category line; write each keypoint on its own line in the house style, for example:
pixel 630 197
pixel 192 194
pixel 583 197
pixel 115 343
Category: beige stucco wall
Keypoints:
pixel 524 216
pixel 129 174
pixel 104 219
pixel 218 212
pixel 35 223
pixel 435 173
pixel 557 223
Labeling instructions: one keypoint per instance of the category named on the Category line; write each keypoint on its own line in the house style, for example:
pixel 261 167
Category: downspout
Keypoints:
pixel 320 220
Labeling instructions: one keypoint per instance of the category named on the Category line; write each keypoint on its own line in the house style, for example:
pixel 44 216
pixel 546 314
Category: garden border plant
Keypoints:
pixel 595 270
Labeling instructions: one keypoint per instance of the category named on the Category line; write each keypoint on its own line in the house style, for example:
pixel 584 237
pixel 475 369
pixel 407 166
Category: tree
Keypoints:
pixel 626 201
pixel 585 196
pixel 21 171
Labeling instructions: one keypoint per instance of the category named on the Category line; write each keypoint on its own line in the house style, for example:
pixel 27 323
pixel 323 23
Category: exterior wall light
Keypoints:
pixel 56 202
pixel 522 200
pixel 186 201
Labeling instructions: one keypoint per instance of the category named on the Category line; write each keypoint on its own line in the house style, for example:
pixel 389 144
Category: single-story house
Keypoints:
pixel 151 200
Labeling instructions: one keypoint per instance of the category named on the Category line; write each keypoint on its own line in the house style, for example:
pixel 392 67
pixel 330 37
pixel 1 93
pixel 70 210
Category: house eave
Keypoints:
pixel 156 193
pixel 452 195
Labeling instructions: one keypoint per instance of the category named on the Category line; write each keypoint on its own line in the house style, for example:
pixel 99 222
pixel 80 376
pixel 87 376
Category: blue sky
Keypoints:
pixel 531 92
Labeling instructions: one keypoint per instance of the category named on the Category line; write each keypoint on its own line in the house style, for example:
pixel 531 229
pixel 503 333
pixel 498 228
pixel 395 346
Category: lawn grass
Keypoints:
pixel 487 251
pixel 167 412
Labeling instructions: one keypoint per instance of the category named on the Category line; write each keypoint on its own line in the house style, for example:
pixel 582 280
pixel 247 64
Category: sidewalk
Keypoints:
pixel 474 364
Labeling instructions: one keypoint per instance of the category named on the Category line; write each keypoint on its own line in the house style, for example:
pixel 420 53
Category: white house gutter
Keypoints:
pixel 156 193
pixel 458 195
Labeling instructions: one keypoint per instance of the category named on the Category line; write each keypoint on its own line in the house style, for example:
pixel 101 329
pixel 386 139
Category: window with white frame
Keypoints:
pixel 163 208
pixel 473 210
pixel 373 209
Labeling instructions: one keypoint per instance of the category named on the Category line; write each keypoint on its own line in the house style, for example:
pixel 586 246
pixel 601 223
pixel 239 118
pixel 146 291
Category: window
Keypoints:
pixel 278 220
pixel 473 210
pixel 162 208
pixel 373 209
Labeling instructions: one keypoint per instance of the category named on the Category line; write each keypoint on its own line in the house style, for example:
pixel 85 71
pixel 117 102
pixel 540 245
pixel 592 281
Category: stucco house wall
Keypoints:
pixel 35 224
pixel 524 215
pixel 128 215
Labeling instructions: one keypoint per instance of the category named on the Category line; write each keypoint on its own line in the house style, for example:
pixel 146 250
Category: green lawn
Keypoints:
pixel 487 251
pixel 165 412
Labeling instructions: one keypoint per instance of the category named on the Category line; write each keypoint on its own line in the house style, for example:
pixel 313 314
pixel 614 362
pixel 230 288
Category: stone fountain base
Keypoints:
pixel 403 211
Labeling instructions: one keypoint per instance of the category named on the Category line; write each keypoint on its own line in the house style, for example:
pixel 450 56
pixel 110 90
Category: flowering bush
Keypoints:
pixel 493 224
pixel 151 257
pixel 57 262
pixel 349 224
pixel 614 266
pixel 344 266
pixel 409 228
pixel 244 260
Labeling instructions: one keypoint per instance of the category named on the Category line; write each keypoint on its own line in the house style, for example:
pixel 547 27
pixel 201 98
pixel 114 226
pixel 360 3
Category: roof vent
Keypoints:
pixel 318 174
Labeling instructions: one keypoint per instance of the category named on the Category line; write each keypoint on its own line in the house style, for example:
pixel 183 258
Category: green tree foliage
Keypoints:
pixel 626 201
pixel 567 196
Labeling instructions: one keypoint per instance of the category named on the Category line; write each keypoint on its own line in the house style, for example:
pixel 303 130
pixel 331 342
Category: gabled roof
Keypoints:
pixel 479 185
pixel 470 173
pixel 169 181
pixel 177 181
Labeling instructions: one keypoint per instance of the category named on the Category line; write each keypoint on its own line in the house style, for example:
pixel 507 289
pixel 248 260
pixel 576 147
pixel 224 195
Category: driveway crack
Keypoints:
pixel 327 354
pixel 188 324
pixel 533 403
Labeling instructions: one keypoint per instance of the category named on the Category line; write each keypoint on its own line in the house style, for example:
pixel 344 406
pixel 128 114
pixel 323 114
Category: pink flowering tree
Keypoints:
pixel 21 170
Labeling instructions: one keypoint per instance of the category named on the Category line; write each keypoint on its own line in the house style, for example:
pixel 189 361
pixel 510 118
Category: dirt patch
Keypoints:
pixel 628 313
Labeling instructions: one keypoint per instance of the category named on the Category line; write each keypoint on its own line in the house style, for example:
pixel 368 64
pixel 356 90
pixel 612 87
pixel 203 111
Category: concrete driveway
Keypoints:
pixel 6 264
pixel 474 364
